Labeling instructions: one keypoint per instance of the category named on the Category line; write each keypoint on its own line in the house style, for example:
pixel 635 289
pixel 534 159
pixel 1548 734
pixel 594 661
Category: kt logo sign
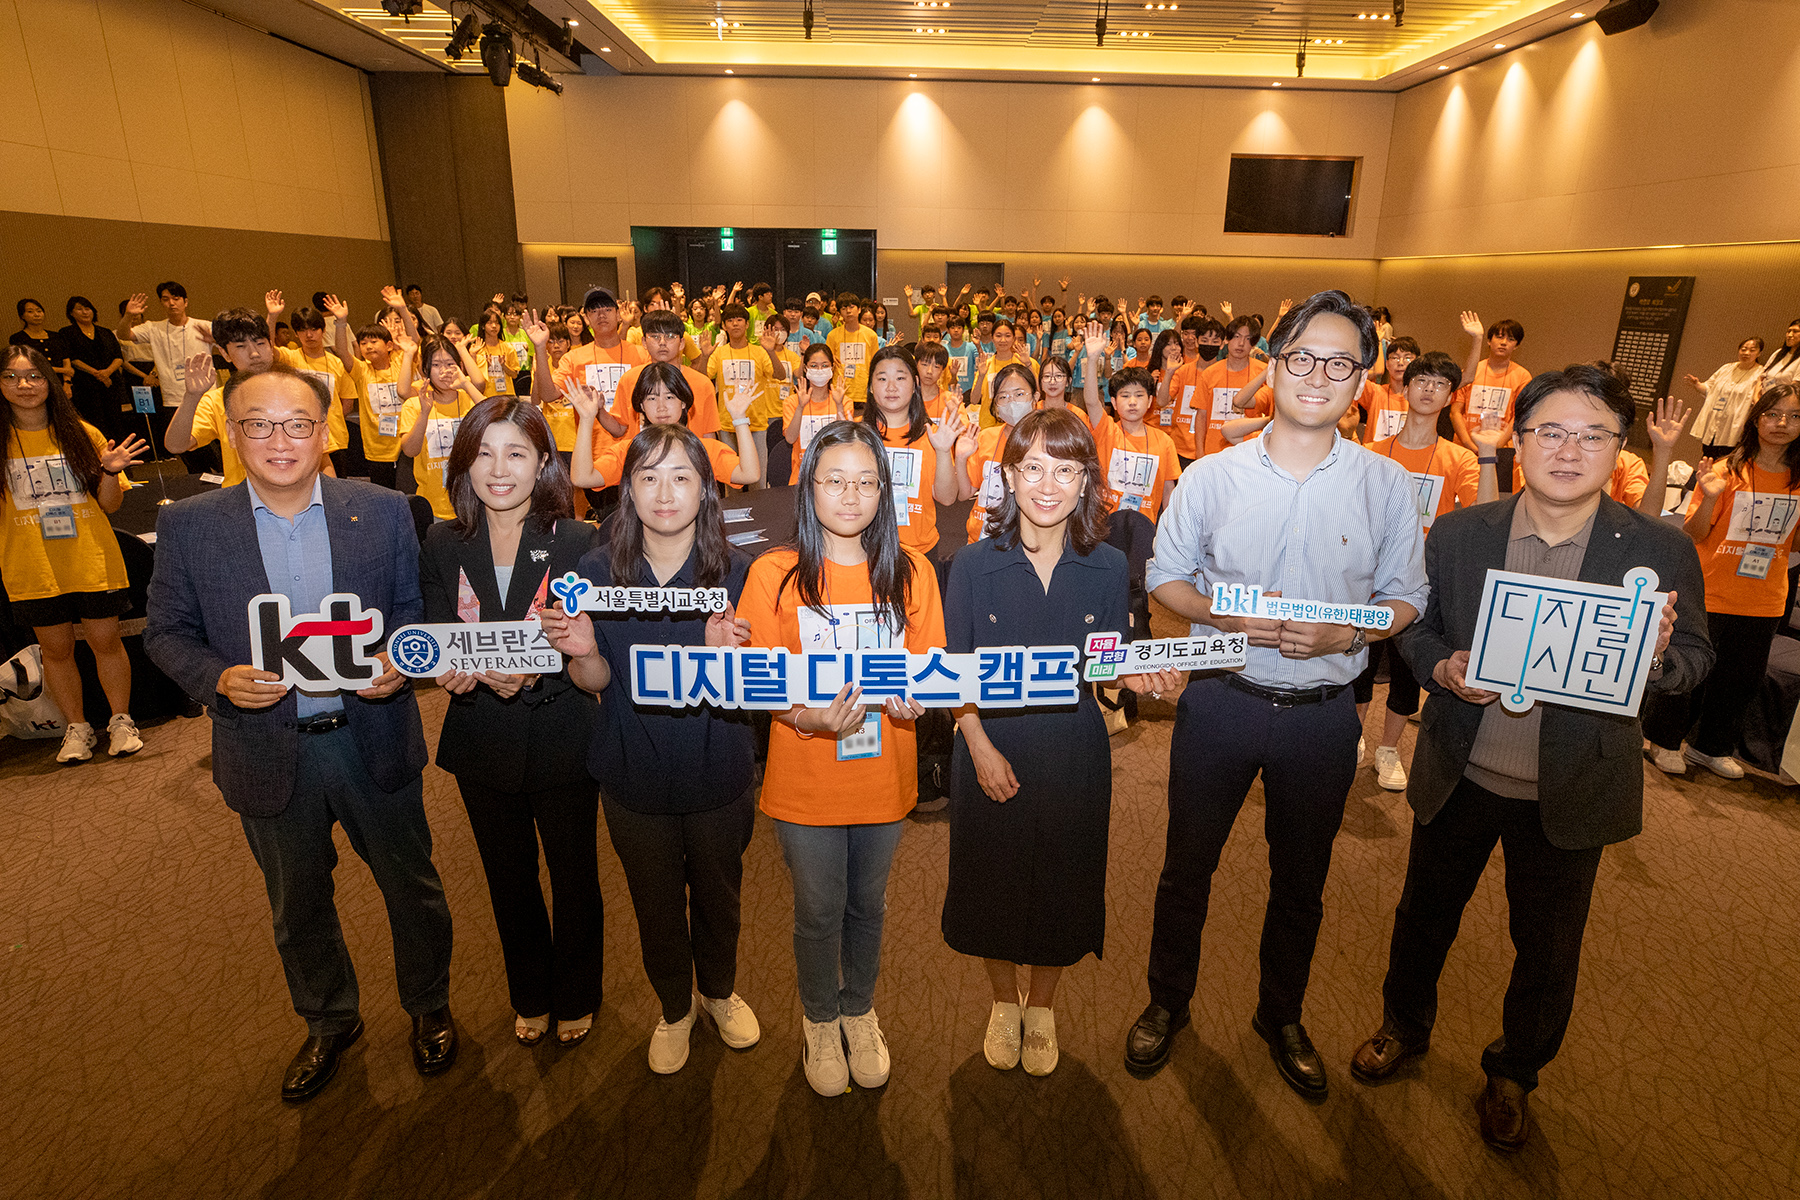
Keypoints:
pixel 320 652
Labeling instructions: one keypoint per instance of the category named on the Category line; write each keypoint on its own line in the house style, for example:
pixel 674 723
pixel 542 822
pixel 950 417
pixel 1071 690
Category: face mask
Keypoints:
pixel 818 376
pixel 1208 353
pixel 1012 412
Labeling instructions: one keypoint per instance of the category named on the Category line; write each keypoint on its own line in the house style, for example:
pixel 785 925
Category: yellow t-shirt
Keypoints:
pixel 434 454
pixel 328 370
pixel 38 567
pixel 498 363
pixel 382 404
pixel 209 426
pixel 853 352
pixel 560 416
pixel 748 368
pixel 774 399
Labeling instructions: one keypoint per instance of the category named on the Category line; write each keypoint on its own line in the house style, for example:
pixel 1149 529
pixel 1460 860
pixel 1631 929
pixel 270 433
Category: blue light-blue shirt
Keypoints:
pixel 1348 533
pixel 296 557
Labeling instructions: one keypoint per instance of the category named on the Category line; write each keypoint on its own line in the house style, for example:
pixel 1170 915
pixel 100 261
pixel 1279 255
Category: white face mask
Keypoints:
pixel 818 376
pixel 1012 411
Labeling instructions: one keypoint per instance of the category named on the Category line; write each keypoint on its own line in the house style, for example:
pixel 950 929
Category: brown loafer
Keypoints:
pixel 1504 1124
pixel 1376 1060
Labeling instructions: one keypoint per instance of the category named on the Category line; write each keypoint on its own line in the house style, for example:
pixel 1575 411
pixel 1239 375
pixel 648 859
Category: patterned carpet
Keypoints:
pixel 147 1025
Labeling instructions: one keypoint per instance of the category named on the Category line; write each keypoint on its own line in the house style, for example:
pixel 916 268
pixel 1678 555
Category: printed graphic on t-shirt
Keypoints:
pixel 1429 491
pixel 844 627
pixel 1387 423
pixel 1185 414
pixel 1762 517
pixel 1489 401
pixel 440 438
pixel 854 355
pixel 43 479
pixel 604 378
pixel 1132 475
pixel 907 464
pixel 811 424
pixel 1221 404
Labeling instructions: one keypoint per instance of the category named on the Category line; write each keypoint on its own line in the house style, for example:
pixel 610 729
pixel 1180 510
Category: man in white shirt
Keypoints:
pixel 171 342
pixel 415 300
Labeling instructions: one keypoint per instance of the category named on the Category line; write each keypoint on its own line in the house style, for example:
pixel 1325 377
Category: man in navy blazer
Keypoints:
pixel 290 763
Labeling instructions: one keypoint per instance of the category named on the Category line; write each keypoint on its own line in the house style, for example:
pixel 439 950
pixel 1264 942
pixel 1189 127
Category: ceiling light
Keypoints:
pixel 573 22
pixel 1095 79
pixel 914 75
pixel 497 53
pixel 1443 67
pixel 729 71
pixel 536 76
pixel 1576 16
pixel 1499 45
pixel 606 49
pixel 1277 83
pixel 463 38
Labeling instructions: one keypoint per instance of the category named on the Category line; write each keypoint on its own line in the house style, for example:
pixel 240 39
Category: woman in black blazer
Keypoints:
pixel 518 744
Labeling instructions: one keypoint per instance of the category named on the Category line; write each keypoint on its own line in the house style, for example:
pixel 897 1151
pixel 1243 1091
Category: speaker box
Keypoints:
pixel 1620 15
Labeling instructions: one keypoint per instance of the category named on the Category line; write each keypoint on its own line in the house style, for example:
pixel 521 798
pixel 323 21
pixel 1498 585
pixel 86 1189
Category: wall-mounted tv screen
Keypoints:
pixel 1309 197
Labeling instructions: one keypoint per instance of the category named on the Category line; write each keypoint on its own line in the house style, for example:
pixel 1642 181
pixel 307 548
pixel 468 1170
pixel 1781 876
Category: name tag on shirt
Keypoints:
pixel 57 521
pixel 143 400
pixel 865 742
pixel 1754 565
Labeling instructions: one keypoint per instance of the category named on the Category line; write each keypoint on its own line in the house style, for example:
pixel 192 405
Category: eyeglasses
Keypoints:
pixel 31 378
pixel 297 427
pixel 1338 367
pixel 1775 418
pixel 1063 473
pixel 834 485
pixel 1551 437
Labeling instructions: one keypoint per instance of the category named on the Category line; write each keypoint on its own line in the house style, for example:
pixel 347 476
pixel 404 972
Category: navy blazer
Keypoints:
pixel 209 567
pixel 1590 770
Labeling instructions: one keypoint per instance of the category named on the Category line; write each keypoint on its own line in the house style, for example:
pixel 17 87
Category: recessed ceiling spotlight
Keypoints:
pixel 606 49
pixel 1443 67
pixel 1576 16
pixel 914 75
pixel 573 23
pixel 1277 83
pixel 1499 45
pixel 729 71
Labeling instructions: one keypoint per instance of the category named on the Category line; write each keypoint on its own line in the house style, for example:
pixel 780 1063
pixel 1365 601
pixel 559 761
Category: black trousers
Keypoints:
pixel 1307 757
pixel 1548 890
pixel 386 474
pixel 1711 715
pixel 685 872
pixel 1403 689
pixel 548 970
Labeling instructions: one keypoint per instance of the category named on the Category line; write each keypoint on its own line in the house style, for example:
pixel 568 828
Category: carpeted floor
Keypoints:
pixel 147 1025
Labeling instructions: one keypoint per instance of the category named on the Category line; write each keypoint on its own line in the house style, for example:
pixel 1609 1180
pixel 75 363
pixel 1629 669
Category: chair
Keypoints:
pixel 422 516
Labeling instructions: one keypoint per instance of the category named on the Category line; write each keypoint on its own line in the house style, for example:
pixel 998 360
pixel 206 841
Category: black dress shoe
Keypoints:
pixel 434 1041
pixel 316 1063
pixel 1376 1060
pixel 1147 1045
pixel 1503 1108
pixel 1294 1055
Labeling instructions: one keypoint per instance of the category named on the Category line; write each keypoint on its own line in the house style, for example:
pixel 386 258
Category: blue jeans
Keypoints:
pixel 840 901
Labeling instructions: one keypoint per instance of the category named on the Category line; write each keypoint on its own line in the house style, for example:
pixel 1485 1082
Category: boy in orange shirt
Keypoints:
pixel 1493 385
pixel 1222 383
pixel 1138 459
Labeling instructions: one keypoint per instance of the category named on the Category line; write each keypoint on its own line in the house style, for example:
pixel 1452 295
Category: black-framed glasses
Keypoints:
pixel 868 486
pixel 1338 367
pixel 1552 437
pixel 260 428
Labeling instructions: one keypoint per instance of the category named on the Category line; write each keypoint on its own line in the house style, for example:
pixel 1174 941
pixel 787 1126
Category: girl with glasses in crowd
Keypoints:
pixel 1015 395
pixel 678 785
pixel 58 554
pixel 840 780
pixel 820 400
pixel 517 744
pixel 1742 518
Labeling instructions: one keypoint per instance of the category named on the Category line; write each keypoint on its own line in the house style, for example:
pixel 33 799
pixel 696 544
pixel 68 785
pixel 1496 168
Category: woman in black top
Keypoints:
pixel 1031 788
pixel 36 335
pixel 677 784
pixel 516 743
pixel 91 355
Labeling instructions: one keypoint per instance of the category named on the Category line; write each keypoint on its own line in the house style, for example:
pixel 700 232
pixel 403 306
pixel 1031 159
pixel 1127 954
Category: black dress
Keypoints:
pixel 1028 877
pixel 98 403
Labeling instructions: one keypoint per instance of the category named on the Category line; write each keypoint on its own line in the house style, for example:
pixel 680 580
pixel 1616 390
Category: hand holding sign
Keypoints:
pixel 246 686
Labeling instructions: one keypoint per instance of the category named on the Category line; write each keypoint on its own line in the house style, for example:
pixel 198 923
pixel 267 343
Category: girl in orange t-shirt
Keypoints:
pixel 818 401
pixel 1742 518
pixel 921 451
pixel 840 780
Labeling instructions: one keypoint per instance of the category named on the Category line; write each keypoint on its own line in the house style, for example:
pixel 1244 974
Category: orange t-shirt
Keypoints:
pixel 806 783
pixel 1445 474
pixel 984 473
pixel 1750 513
pixel 1219 385
pixel 1185 413
pixel 1493 394
pixel 1386 411
pixel 1137 470
pixel 914 465
pixel 703 418
pixel 813 415
pixel 610 461
pixel 600 368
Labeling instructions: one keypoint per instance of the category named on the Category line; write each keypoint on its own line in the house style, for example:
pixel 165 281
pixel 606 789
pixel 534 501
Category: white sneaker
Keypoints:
pixel 1669 762
pixel 869 1064
pixel 77 744
pixel 1361 750
pixel 1001 1045
pixel 1388 771
pixel 122 734
pixel 669 1044
pixel 1039 1054
pixel 1724 766
pixel 733 1019
pixel 823 1055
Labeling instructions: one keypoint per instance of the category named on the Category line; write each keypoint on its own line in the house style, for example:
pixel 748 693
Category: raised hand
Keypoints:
pixel 499 297
pixel 770 340
pixel 336 307
pixel 839 402
pixel 1063 283
pixel 968 438
pixel 1694 381
pixel 1666 424
pixel 134 307
pixel 390 296
pixel 1282 311
pixel 199 374
pixel 1471 323
pixel 737 401
pixel 1095 339
pixel 944 431
pixel 119 455
pixel 535 329
pixel 1712 482
pixel 407 345
pixel 1036 283
pixel 704 339
pixel 275 304
pixel 1485 436
pixel 1225 307
pixel 1171 356
pixel 583 399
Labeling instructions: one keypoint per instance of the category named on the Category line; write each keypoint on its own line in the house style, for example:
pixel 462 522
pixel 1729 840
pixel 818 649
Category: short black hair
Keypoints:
pixel 848 299
pixel 171 287
pixel 319 301
pixel 1588 379
pixel 1128 376
pixel 776 318
pixel 662 321
pixel 372 330
pixel 793 304
pixel 69 308
pixel 1243 323
pixel 240 378
pixel 240 325
pixel 308 317
pixel 1405 345
pixel 1194 323
pixel 1510 328
pixel 733 312
pixel 1156 300
pixel 29 300
pixel 932 352
pixel 760 289
pixel 1334 303
pixel 1008 322
pixel 412 287
pixel 1436 364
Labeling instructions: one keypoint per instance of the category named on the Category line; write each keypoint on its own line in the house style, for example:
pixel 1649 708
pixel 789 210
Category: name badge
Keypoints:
pixel 57 521
pixel 1754 565
pixel 865 742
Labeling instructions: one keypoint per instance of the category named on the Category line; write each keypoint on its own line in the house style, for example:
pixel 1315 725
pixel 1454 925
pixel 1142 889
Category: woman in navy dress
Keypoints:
pixel 1031 788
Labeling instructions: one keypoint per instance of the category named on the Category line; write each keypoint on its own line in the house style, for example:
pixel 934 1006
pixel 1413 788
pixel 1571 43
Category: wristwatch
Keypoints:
pixel 1358 642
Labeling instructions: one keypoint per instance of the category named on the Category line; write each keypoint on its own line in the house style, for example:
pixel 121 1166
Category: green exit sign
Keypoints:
pixel 828 246
pixel 828 233
pixel 727 238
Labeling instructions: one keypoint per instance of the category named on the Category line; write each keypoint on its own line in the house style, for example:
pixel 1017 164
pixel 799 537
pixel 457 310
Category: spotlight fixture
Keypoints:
pixel 536 76
pixel 497 53
pixel 1399 13
pixel 806 19
pixel 406 10
pixel 1100 7
pixel 1300 61
pixel 566 43
pixel 462 38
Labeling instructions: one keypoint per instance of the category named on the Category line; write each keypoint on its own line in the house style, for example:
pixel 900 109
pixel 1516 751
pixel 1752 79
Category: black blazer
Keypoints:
pixel 208 568
pixel 537 739
pixel 1591 779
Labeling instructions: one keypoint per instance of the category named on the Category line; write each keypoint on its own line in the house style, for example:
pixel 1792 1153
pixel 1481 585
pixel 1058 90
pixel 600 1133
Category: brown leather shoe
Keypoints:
pixel 1376 1060
pixel 1504 1124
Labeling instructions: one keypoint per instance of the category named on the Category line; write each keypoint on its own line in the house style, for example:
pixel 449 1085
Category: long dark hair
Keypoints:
pixel 1784 351
pixel 67 429
pixel 1064 437
pixel 552 496
pixel 918 421
pixel 1750 445
pixel 713 552
pixel 433 344
pixel 890 570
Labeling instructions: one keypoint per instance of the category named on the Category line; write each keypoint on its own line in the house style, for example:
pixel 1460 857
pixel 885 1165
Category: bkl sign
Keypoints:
pixel 330 650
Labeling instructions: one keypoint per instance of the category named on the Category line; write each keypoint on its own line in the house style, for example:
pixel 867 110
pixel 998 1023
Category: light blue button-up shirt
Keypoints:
pixel 1348 533
pixel 296 555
